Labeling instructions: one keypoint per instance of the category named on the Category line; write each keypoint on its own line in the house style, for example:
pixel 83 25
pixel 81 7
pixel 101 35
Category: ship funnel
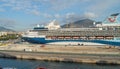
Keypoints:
pixel 111 21
pixel 116 14
pixel 112 18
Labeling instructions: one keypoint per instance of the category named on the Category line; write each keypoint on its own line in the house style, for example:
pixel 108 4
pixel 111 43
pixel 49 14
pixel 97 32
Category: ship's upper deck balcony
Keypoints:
pixel 81 33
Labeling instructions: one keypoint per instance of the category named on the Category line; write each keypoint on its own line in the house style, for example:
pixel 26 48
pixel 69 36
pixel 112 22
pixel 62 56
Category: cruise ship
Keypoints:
pixel 105 33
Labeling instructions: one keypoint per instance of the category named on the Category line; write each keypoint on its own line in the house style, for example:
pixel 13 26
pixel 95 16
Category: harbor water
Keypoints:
pixel 33 64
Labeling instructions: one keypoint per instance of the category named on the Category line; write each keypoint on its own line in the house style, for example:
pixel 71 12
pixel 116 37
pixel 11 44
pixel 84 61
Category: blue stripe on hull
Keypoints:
pixel 43 41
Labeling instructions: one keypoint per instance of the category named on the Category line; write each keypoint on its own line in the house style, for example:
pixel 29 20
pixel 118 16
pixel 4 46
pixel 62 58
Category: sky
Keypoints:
pixel 21 15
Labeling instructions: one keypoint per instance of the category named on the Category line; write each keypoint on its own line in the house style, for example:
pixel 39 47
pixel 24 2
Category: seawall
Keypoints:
pixel 63 57
pixel 80 54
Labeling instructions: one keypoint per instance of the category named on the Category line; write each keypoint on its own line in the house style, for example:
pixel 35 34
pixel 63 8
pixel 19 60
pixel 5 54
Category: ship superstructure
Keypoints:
pixel 107 32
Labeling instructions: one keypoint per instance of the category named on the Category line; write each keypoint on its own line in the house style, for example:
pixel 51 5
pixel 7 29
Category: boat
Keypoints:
pixel 105 33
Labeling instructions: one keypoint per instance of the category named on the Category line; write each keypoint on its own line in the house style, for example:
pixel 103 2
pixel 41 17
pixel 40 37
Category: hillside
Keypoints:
pixel 79 24
pixel 5 29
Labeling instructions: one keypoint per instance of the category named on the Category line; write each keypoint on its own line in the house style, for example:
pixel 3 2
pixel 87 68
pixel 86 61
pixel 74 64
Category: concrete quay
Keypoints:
pixel 81 54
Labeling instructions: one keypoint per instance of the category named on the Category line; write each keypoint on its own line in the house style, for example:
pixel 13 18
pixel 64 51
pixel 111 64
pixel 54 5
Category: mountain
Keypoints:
pixel 79 24
pixel 5 29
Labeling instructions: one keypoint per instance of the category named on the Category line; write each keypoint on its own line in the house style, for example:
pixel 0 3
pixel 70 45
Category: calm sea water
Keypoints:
pixel 32 64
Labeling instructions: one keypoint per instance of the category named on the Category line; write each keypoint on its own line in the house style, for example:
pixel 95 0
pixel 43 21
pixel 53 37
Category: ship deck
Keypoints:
pixel 115 33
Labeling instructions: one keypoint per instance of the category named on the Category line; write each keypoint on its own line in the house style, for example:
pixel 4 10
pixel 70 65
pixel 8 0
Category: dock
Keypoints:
pixel 79 54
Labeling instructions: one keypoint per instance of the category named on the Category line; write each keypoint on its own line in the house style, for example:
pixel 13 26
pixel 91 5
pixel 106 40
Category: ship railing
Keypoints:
pixel 116 33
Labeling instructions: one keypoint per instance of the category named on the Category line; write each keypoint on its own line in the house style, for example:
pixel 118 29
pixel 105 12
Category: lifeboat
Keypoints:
pixel 100 37
pixel 67 37
pixel 60 37
pixel 76 37
pixel 92 37
pixel 109 37
pixel 53 37
pixel 83 37
pixel 48 36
